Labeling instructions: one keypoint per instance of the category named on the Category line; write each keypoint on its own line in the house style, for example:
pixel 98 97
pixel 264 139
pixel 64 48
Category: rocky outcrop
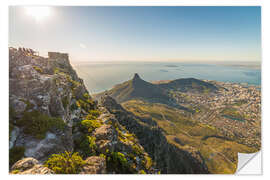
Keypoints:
pixel 114 141
pixel 94 165
pixel 168 157
pixel 29 166
pixel 49 89
pixel 48 105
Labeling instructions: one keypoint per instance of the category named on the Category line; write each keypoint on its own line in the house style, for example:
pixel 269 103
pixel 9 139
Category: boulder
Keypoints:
pixel 94 165
pixel 24 164
pixel 29 166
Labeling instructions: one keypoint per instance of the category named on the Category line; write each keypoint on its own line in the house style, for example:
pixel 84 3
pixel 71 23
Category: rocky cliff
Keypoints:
pixel 169 158
pixel 42 92
pixel 56 127
pixel 52 115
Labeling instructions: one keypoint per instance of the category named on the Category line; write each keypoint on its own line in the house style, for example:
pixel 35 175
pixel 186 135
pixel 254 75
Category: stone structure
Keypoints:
pixel 57 55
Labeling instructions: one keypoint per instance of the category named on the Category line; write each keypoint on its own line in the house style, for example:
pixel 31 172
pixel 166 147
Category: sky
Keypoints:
pixel 139 33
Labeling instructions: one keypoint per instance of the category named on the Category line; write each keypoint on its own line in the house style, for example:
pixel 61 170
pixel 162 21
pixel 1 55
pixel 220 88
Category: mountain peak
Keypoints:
pixel 136 76
pixel 136 88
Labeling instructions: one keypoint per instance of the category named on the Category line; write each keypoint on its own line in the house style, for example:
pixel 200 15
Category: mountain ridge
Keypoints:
pixel 137 88
pixel 169 158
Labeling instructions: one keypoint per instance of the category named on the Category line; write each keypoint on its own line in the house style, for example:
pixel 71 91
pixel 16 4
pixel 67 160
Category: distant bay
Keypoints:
pixel 100 76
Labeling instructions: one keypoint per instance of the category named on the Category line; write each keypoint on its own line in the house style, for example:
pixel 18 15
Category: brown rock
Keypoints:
pixel 105 132
pixel 24 164
pixel 94 165
pixel 37 169
pixel 29 166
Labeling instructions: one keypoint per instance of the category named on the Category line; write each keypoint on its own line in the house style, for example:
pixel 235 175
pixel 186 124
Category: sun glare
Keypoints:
pixel 38 13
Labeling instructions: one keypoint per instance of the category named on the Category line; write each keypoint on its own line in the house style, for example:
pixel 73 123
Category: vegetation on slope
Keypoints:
pixel 37 124
pixel 220 153
pixel 136 88
pixel 15 154
pixel 65 163
pixel 189 84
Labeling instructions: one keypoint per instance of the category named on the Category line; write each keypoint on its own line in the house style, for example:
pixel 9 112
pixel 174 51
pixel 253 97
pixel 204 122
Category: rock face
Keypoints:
pixel 169 158
pixel 48 103
pixel 94 165
pixel 29 166
pixel 112 137
pixel 46 87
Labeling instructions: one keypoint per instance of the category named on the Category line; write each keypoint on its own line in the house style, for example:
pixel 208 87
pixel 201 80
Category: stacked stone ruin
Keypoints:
pixel 57 55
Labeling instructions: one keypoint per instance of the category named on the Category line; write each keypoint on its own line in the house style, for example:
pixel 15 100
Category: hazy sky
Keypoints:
pixel 140 33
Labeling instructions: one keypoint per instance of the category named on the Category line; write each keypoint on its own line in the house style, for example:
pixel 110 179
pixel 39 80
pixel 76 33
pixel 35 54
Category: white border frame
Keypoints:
pixel 4 70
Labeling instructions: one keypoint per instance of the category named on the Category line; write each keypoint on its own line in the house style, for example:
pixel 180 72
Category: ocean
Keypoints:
pixel 100 76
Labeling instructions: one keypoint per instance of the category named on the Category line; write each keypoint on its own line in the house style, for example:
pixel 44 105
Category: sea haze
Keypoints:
pixel 100 76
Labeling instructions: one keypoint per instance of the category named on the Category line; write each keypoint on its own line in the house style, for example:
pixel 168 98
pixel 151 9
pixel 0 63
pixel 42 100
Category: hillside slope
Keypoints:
pixel 170 159
pixel 189 84
pixel 219 152
pixel 136 88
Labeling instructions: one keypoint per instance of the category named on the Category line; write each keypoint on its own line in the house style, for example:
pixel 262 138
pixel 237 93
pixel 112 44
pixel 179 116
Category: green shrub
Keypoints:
pixel 90 125
pixel 142 172
pixel 136 149
pixel 86 145
pixel 15 171
pixel 73 107
pixel 82 145
pixel 86 96
pixel 56 70
pixel 102 155
pixel 86 105
pixel 148 162
pixel 92 143
pixel 65 163
pixel 38 69
pixel 29 105
pixel 94 113
pixel 74 84
pixel 117 162
pixel 15 154
pixel 37 124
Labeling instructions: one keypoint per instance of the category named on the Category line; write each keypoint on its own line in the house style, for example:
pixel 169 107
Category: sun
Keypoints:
pixel 39 13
